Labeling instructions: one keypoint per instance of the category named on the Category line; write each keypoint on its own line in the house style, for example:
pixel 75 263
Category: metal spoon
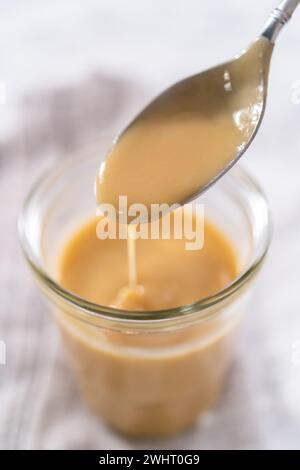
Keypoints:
pixel 233 93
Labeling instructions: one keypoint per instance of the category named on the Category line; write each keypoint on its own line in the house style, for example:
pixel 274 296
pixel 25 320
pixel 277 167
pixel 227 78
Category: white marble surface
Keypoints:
pixel 53 54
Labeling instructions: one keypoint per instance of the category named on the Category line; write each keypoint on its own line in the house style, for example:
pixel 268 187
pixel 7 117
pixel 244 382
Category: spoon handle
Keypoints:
pixel 278 18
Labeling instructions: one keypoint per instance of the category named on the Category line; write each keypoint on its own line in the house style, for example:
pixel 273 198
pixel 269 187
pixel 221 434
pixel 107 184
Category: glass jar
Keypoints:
pixel 145 373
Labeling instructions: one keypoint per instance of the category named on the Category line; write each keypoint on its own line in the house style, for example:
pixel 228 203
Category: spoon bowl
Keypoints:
pixel 193 132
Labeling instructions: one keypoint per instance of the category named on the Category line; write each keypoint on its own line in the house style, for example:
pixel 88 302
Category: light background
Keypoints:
pixel 87 66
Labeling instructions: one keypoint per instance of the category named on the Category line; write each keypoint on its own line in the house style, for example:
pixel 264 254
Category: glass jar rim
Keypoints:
pixel 92 310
